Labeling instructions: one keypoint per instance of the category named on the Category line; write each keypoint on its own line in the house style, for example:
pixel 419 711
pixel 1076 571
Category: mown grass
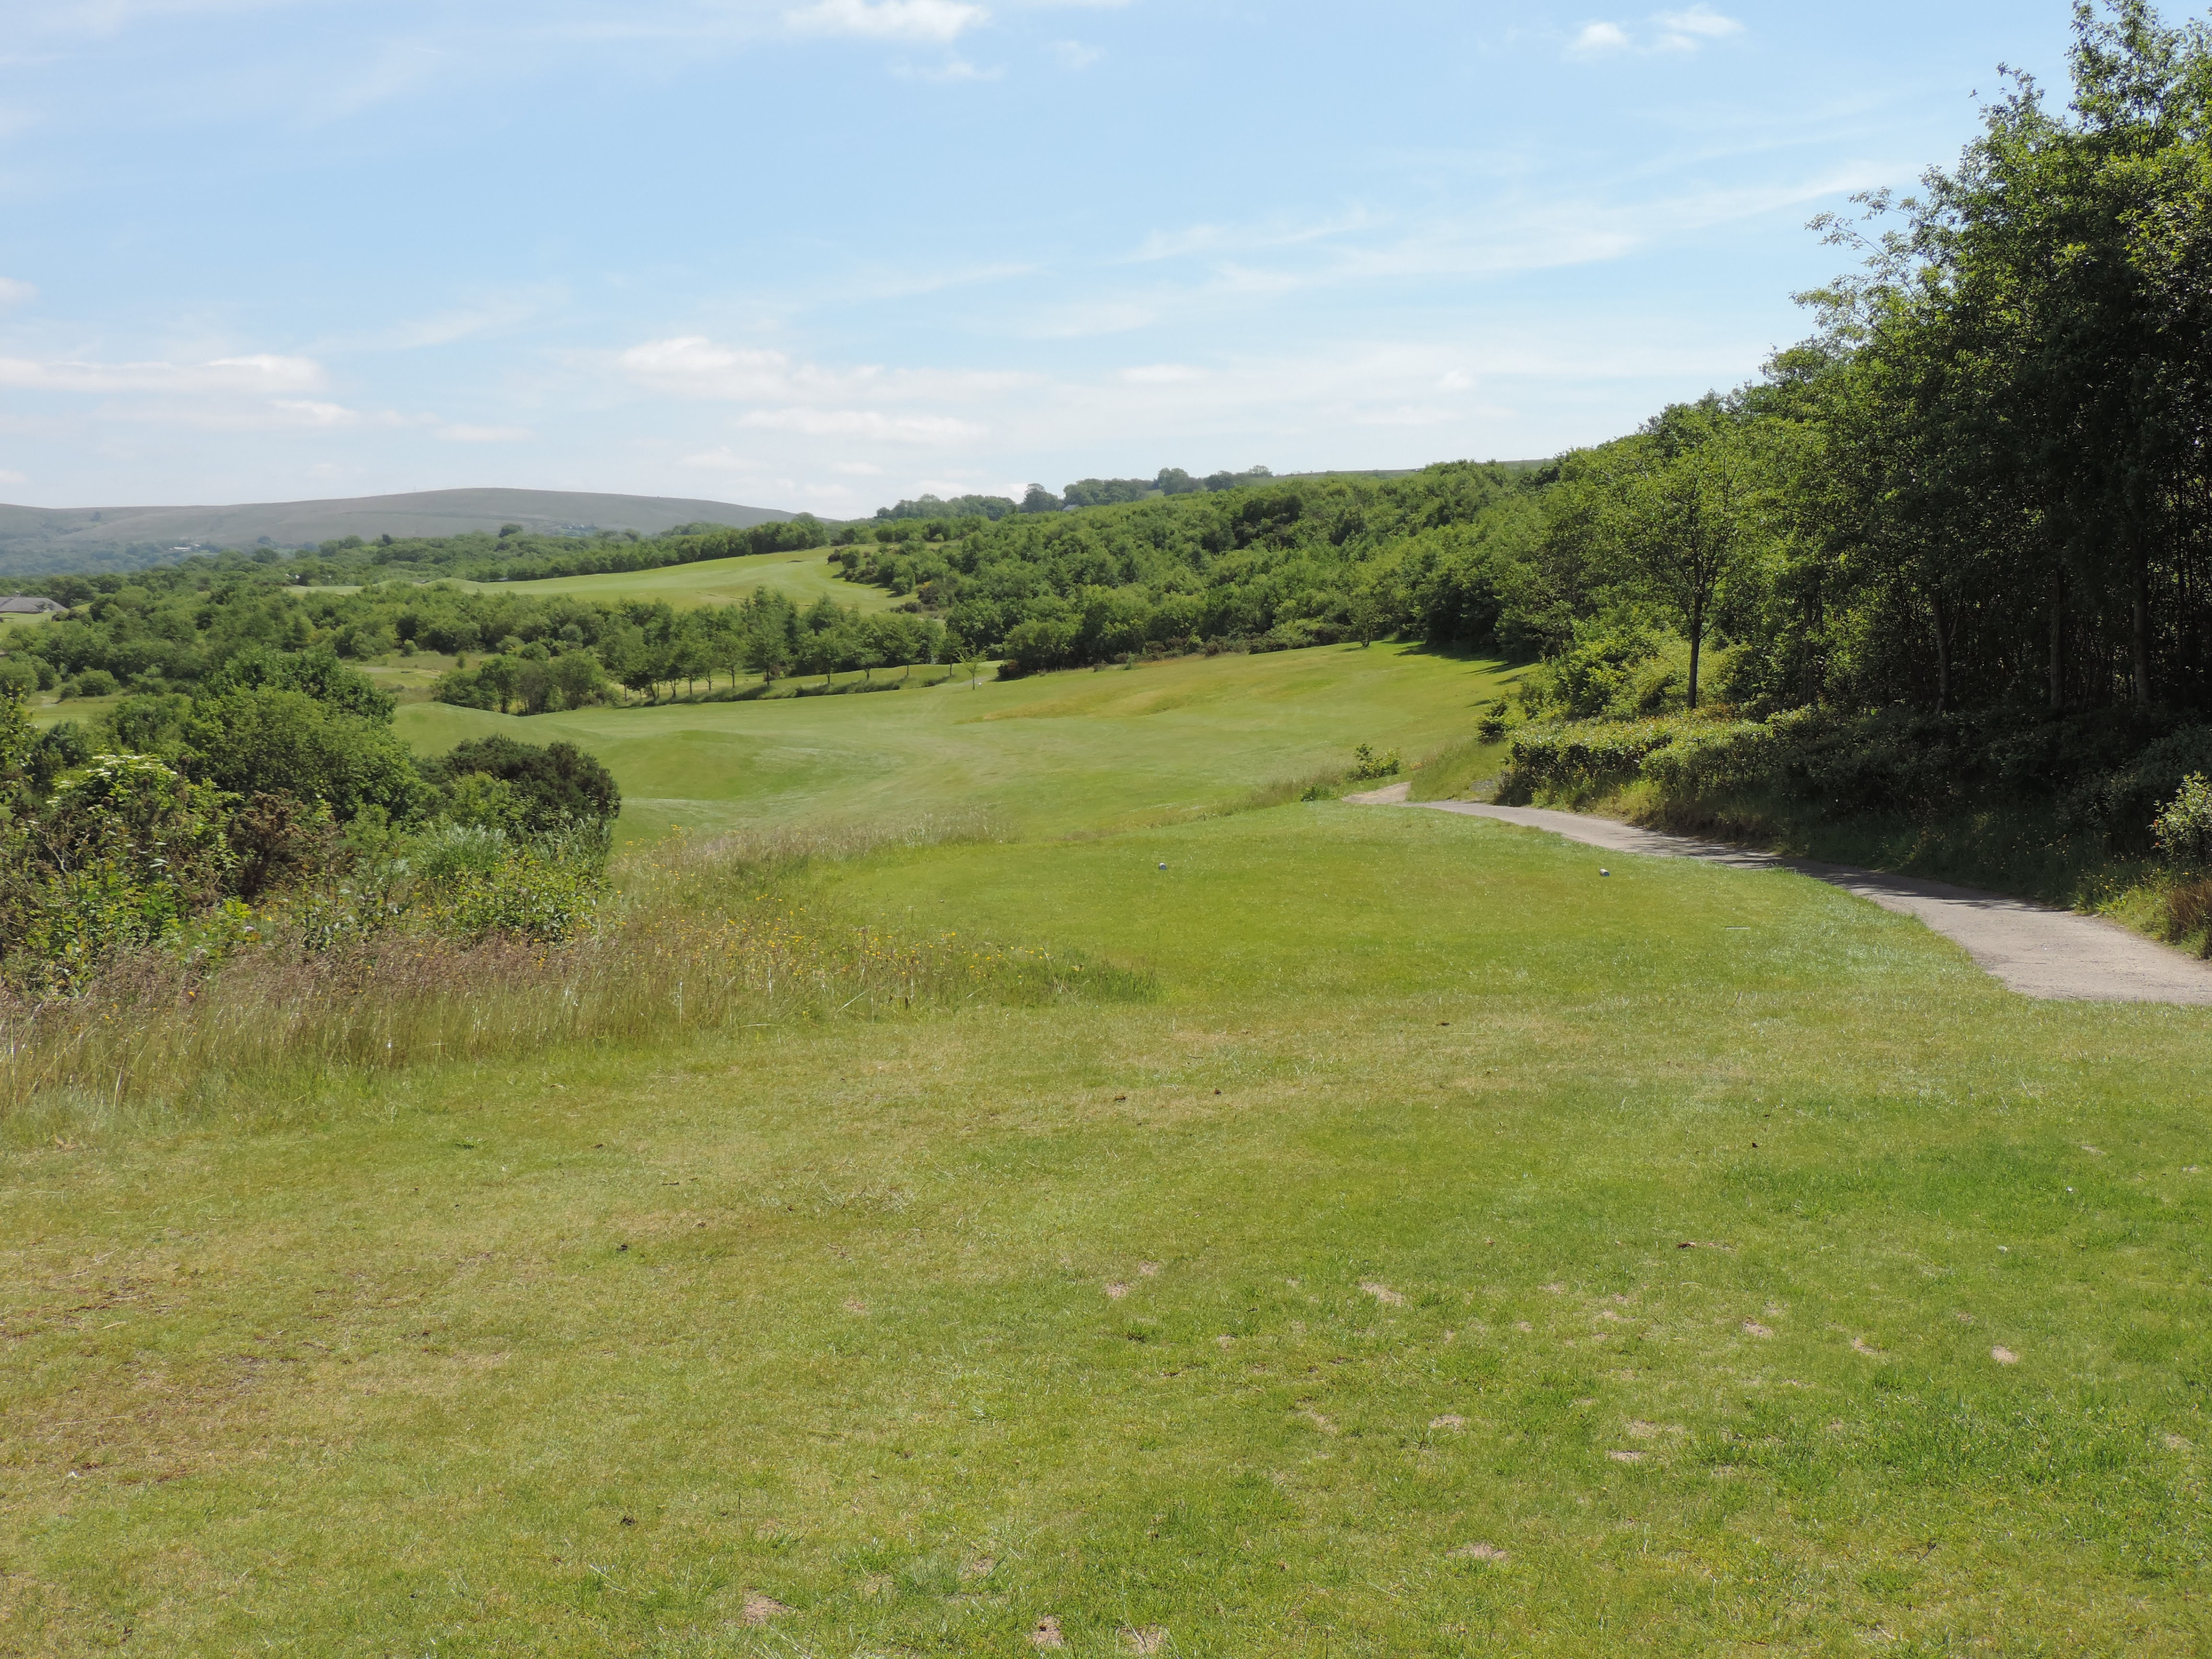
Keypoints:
pixel 803 578
pixel 1052 755
pixel 1464 1253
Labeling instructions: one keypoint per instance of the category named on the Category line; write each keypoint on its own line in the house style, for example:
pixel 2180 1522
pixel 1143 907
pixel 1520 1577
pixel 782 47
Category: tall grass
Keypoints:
pixel 697 936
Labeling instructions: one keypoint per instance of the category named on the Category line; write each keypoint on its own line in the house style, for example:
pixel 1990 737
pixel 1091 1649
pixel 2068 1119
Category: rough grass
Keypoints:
pixel 695 938
pixel 1464 1254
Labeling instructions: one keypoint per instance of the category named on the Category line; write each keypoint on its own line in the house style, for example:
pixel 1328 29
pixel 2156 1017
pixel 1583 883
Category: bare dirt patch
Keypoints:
pixel 1383 1293
pixel 1047 1633
pixel 759 1608
pixel 1480 1552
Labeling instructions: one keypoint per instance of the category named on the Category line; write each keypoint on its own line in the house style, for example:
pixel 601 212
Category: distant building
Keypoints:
pixel 23 604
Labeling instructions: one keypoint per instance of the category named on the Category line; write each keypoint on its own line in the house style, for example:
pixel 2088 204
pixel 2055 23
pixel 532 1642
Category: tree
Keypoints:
pixel 287 743
pixel 1686 513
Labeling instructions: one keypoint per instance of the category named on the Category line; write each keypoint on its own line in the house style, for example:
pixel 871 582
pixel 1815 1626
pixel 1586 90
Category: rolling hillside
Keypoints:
pixel 36 539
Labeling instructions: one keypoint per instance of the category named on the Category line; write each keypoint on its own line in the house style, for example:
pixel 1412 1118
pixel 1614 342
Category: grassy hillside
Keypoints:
pixel 1455 1251
pixel 802 577
pixel 1051 754
pixel 55 539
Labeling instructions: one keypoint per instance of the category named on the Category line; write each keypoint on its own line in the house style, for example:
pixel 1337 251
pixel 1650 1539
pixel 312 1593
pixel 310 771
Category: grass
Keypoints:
pixel 802 578
pixel 1458 1254
pixel 1055 754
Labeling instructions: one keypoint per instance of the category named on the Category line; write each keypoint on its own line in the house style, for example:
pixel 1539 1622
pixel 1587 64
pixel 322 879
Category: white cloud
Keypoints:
pixel 952 70
pixel 693 366
pixel 1601 37
pixel 486 434
pixel 864 423
pixel 315 414
pixel 1456 380
pixel 1671 31
pixel 696 367
pixel 262 374
pixel 8 477
pixel 888 19
pixel 1075 55
pixel 1700 23
pixel 1162 374
pixel 13 293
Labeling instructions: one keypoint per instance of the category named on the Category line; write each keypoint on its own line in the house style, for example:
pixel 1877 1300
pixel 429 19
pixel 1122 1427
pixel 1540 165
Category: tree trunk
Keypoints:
pixel 2139 630
pixel 1697 645
pixel 2059 642
pixel 1942 655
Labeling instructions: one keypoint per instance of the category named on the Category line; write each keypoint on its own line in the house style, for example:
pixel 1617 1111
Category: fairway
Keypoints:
pixel 1049 755
pixel 802 578
pixel 1464 1254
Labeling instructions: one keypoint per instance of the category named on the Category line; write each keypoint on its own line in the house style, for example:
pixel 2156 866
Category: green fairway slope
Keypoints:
pixel 1467 1254
pixel 801 577
pixel 1054 753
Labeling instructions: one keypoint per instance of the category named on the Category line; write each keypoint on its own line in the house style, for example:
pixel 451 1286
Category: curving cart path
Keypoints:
pixel 2031 948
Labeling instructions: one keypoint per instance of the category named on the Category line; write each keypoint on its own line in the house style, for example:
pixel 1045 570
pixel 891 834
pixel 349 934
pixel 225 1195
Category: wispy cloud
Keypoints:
pixel 1601 37
pixel 1666 31
pixel 13 293
pixel 888 19
pixel 486 434
pixel 1697 23
pixel 952 70
pixel 872 423
pixel 264 374
pixel 1074 54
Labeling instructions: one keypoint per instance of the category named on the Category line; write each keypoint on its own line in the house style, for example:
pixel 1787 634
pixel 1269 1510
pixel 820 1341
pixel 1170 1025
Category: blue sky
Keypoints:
pixel 823 253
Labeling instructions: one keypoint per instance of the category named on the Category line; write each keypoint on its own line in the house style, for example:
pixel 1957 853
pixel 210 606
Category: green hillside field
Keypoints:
pixel 1052 754
pixel 1409 1242
pixel 801 577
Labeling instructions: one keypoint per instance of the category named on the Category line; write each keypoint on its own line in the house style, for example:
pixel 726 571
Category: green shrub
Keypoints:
pixel 127 853
pixel 1549 757
pixel 534 893
pixel 554 785
pixel 2183 829
pixel 290 742
pixel 1366 763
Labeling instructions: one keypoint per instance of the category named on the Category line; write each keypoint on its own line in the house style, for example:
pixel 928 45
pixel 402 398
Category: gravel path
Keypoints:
pixel 2033 949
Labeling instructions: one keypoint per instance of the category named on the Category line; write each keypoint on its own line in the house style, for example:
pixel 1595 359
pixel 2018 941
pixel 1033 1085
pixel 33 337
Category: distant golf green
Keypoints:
pixel 1050 754
pixel 801 577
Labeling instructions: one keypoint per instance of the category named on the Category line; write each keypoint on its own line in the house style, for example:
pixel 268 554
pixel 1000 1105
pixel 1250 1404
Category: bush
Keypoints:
pixel 555 785
pixel 92 682
pixel 1366 763
pixel 126 855
pixel 2183 829
pixel 288 742
pixel 1575 756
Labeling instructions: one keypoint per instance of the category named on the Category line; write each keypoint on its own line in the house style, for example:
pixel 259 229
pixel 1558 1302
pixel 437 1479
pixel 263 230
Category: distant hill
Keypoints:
pixel 34 540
